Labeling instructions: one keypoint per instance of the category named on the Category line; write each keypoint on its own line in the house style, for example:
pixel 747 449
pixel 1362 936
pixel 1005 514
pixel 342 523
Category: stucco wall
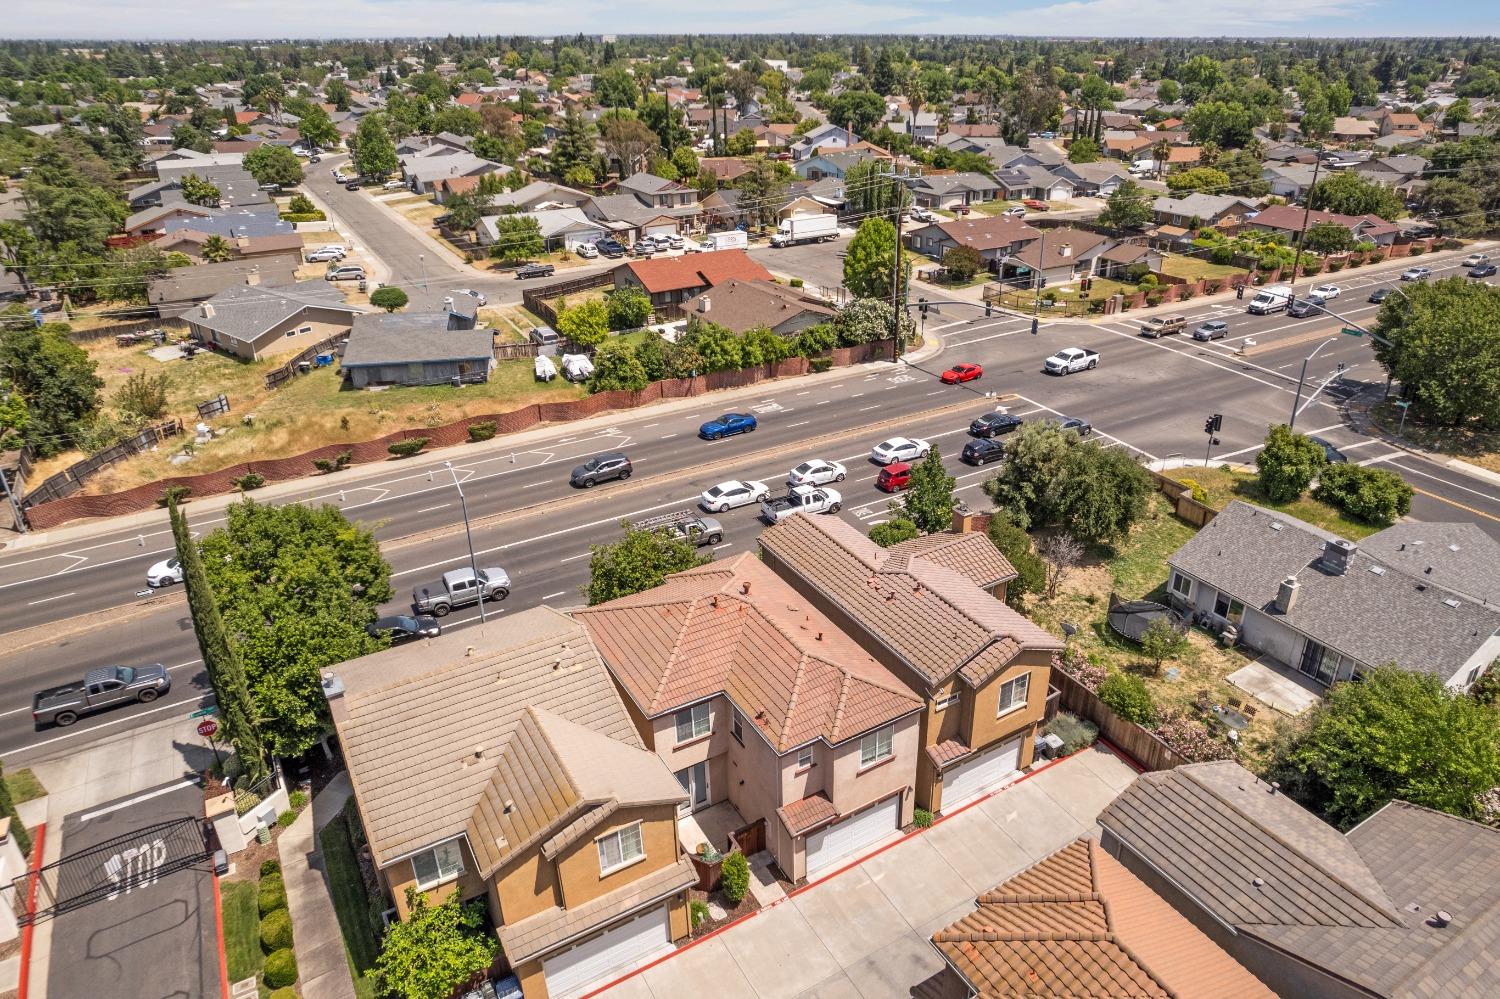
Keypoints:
pixel 400 875
pixel 855 787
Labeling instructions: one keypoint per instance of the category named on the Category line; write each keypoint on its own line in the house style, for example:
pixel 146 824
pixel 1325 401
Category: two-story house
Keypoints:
pixel 658 192
pixel 752 696
pixel 981 669
pixel 501 766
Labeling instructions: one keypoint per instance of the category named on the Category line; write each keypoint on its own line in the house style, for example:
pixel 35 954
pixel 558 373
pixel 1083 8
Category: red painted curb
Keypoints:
pixel 219 926
pixel 1134 764
pixel 37 843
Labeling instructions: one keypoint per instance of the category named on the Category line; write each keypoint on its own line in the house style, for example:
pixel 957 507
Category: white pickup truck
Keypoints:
pixel 1069 360
pixel 801 499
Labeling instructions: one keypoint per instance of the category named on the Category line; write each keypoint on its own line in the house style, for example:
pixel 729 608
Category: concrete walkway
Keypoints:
pixel 865 933
pixel 321 962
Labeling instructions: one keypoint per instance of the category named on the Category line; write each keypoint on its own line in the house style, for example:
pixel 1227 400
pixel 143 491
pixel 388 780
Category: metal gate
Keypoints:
pixel 128 863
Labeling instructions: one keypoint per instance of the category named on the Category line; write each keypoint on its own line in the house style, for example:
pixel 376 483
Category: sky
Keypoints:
pixel 137 19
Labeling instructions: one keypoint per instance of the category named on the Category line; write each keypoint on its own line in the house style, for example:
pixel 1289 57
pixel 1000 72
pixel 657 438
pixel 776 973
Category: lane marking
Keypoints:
pixel 1461 506
pixel 136 800
pixel 75 733
pixel 533 485
pixel 802 424
pixel 46 600
pixel 570 558
pixel 430 509
pixel 1436 478
pixel 557 594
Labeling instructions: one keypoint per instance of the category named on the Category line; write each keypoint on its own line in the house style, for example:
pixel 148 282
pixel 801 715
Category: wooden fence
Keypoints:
pixel 175 326
pixel 1193 511
pixel 1137 743
pixel 280 376
pixel 516 351
pixel 538 300
pixel 71 479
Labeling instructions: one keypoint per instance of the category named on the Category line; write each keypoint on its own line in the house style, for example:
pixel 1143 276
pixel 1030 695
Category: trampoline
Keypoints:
pixel 1132 618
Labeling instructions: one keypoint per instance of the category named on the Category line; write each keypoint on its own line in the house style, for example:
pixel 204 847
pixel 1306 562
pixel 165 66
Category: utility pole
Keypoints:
pixel 1036 301
pixel 1306 214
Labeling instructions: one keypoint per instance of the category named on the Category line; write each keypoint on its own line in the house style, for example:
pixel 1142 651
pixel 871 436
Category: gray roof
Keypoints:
pixel 1204 206
pixel 650 183
pixel 247 311
pixel 1341 903
pixel 191 284
pixel 1458 556
pixel 629 208
pixel 413 338
pixel 945 183
pixel 1377 611
pixel 253 220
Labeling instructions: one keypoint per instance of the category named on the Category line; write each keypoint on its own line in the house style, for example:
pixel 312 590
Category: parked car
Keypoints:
pixel 601 468
pixel 100 689
pixel 801 499
pixel 393 185
pixel 544 337
pixel 164 573
pixel 1327 292
pixel 982 451
pixel 324 254
pixel 894 477
pixel 727 426
pixel 899 449
pixel 816 472
pixel 643 248
pixel 676 242
pixel 271 188
pixel 732 494
pixel 923 215
pixel 352 185
pixel 1416 274
pixel 1079 426
pixel 346 272
pixel 588 251
pixel 1483 270
pixel 1475 259
pixel 1333 454
pixel 441 220
pixel 611 248
pixel 1016 213
pixel 961 373
pixel 400 627
pixel 535 271
pixel 1214 329
pixel 1379 295
pixel 477 296
pixel 459 588
pixel 1036 205
pixel 1160 326
pixel 994 424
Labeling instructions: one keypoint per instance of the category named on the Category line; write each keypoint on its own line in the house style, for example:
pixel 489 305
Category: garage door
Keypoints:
pixel 980 774
pixel 591 962
pixel 663 229
pixel 847 837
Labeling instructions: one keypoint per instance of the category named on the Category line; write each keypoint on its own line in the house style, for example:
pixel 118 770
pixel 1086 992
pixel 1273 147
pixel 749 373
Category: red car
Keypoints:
pixel 960 373
pixel 894 477
pixel 1036 206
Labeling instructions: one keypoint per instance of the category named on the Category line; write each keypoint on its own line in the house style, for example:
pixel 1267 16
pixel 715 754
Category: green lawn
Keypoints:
pixel 1138 565
pixel 349 901
pixel 993 207
pixel 241 930
pixel 1472 444
pixel 1193 268
pixel 1222 487
pixel 23 786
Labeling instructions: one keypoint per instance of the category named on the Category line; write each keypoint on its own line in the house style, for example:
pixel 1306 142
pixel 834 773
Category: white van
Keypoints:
pixel 1271 298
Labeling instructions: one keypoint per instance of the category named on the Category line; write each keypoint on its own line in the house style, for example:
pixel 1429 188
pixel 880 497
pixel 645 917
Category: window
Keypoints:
pixel 804 757
pixel 443 862
pixel 692 723
pixel 737 728
pixel 876 746
pixel 1013 693
pixel 619 848
pixel 947 701
pixel 1474 675
pixel 1181 585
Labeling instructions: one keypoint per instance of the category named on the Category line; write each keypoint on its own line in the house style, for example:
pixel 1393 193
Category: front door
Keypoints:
pixel 694 781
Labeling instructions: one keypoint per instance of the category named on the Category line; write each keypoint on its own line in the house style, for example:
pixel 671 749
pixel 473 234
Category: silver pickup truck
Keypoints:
pixel 801 499
pixel 100 689
pixel 458 588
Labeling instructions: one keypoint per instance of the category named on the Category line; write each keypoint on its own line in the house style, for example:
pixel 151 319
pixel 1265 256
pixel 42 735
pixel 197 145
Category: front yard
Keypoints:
pixel 1193 268
pixel 1223 486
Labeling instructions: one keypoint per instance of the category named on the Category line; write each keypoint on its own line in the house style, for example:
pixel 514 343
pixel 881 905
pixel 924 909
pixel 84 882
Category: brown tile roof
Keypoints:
pixel 1079 924
pixel 724 168
pixel 744 305
pixel 734 627
pixel 1184 154
pixel 1077 241
pixel 989 233
pixel 537 934
pixel 973 555
pixel 696 270
pixel 934 618
pixel 946 752
pixel 807 813
pixel 1127 253
pixel 424 725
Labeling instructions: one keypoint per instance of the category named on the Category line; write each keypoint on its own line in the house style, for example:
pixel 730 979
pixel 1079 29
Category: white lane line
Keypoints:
pixel 1324 430
pixel 136 800
pixel 856 395
pixel 45 600
pixel 440 506
pixel 1414 471
pixel 1381 457
pixel 650 425
pixel 727 544
pixel 824 402
pixel 533 485
pixel 801 424
pixel 570 558
pixel 75 733
pixel 992 336
pixel 808 392
pixel 667 437
pixel 866 409
pixel 557 594
pixel 938 392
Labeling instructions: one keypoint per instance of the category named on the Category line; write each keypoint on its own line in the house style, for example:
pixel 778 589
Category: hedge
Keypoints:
pixel 276 930
pixel 272 895
pixel 482 431
pixel 408 447
pixel 736 873
pixel 295 217
pixel 281 969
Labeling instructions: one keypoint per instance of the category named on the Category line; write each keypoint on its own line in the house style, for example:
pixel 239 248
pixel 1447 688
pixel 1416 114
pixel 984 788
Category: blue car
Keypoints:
pixel 727 425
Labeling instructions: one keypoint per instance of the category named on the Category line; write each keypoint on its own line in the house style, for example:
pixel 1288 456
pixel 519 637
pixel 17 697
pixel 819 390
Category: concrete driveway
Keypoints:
pixel 865 933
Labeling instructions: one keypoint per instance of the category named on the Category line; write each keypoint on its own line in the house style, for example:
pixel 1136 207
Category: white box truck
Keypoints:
pixel 806 229
pixel 1271 298
pixel 734 239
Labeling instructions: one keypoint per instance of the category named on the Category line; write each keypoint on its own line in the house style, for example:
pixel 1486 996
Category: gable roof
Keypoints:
pixel 988 233
pixel 186 284
pixel 734 627
pixel 651 184
pixel 696 270
pixel 1076 241
pixel 933 618
pixel 377 339
pixel 1203 206
pixel 945 183
pixel 972 555
pixel 246 311
pixel 744 305
pixel 1458 556
pixel 1078 923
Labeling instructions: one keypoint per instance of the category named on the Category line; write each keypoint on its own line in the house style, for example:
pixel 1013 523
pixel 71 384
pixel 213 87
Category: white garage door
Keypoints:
pixel 842 839
pixel 663 229
pixel 591 962
pixel 980 774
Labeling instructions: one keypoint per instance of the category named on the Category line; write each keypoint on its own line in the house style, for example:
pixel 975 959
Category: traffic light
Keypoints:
pixel 989 308
pixel 1208 426
pixel 1213 424
pixel 1239 291
pixel 922 306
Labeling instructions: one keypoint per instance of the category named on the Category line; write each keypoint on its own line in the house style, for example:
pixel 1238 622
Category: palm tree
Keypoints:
pixel 1159 152
pixel 216 249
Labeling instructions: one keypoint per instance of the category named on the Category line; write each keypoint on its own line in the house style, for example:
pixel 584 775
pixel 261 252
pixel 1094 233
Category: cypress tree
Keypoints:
pixel 225 672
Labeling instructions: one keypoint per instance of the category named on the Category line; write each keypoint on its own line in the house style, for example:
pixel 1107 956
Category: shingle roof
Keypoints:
pixel 934 618
pixel 972 555
pixel 1458 556
pixel 185 284
pixel 696 270
pixel 1378 611
pixel 744 305
pixel 735 627
pixel 413 338
pixel 1076 241
pixel 989 233
pixel 246 311
pixel 424 725
pixel 1079 924
pixel 651 184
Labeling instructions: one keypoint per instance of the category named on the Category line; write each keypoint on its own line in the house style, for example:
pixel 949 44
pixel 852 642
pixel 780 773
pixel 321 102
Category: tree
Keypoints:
pixel 866 320
pixel 1161 641
pixel 216 249
pixel 870 262
pixel 517 237
pixel 1052 478
pixel 963 262
pixel 579 175
pixel 1205 179
pixel 614 87
pixel 929 496
pixel 629 308
pixel 573 148
pixel 741 143
pixel 641 560
pixel 226 673
pixel 868 193
pixel 1227 124
pixel 1396 734
pixel 626 140
pixel 143 397
pixel 13 417
pixel 1441 345
pixel 1374 495
pixel 435 949
pixel 317 128
pixel 1328 237
pixel 586 324
pixel 894 531
pixel 270 164
pixel 763 188
pixel 374 150
pixel 1348 193
pixel 617 368
pixel 1084 150
pixel 54 377
pixel 860 109
pixel 1288 462
pixel 197 191
pixel 1456 204
pixel 466 209
pixel 188 137
pixel 1128 207
pixel 1062 553
pixel 389 299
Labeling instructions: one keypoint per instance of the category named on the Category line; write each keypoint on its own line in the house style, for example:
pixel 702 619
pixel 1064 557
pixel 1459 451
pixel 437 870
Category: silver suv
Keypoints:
pixel 347 272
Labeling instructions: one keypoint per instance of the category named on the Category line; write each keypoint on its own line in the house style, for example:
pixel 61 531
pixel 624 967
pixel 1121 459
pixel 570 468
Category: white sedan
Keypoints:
pixel 734 493
pixel 477 296
pixel 1327 292
pixel 393 185
pixel 817 472
pixel 164 573
pixel 899 449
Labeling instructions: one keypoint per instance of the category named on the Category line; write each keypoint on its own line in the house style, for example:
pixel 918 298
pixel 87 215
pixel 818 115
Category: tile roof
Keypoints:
pixel 947 751
pixel 425 725
pixel 744 305
pixel 1079 924
pixel 935 619
pixel 696 270
pixel 807 813
pixel 972 555
pixel 1377 611
pixel 735 627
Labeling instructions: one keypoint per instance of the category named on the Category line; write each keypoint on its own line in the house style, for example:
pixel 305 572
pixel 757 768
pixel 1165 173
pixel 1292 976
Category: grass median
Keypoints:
pixel 350 902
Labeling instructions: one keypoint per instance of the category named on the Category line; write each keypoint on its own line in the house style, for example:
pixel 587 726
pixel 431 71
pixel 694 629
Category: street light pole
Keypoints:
pixel 1297 402
pixel 422 260
pixel 1306 214
pixel 473 564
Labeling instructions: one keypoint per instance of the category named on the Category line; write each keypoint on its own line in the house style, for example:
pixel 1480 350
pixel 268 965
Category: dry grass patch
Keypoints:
pixel 1476 446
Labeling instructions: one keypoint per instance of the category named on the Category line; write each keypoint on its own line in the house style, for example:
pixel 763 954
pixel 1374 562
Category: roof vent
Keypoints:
pixel 469 650
pixel 1378 570
pixel 745 587
pixel 1451 603
pixel 1258 882
pixel 1441 918
pixel 333 687
pixel 1453 548
pixel 509 806
pixel 1277 525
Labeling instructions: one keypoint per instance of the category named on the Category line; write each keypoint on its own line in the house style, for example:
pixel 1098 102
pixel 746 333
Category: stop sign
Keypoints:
pixel 207 727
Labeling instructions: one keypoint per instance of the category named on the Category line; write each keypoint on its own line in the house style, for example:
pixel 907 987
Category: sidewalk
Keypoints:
pixel 322 965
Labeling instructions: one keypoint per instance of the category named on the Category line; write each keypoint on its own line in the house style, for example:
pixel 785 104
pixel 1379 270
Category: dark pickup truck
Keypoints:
pixel 100 689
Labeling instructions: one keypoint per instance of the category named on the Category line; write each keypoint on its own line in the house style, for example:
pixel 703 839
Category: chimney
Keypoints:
pixel 1336 556
pixel 1286 595
pixel 1066 250
pixel 253 278
pixel 207 309
pixel 333 687
pixel 705 303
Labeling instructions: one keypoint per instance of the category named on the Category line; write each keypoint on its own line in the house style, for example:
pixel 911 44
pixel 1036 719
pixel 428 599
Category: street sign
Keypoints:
pixel 1351 331
pixel 1403 403
pixel 207 727
pixel 204 712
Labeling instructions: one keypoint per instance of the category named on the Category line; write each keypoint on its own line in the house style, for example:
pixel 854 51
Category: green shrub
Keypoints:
pixel 1015 545
pixel 281 969
pixel 284 993
pixel 249 481
pixel 1417 249
pixel 295 217
pixel 270 867
pixel 272 894
pixel 820 363
pixel 408 447
pixel 697 912
pixel 244 800
pixel 1334 266
pixel 1197 491
pixel 298 800
pixel 1126 695
pixel 178 493
pixel 286 818
pixel 337 463
pixel 921 818
pixel 797 282
pixel 736 872
pixel 1185 292
pixel 276 931
pixel 1076 733
pixel 1370 494
pixel 1153 299
pixel 481 431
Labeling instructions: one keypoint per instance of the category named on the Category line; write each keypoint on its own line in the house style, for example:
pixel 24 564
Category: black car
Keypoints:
pixel 982 451
pixel 353 185
pixel 442 220
pixel 535 271
pixel 1482 270
pixel 610 248
pixel 601 468
pixel 994 424
pixel 1379 295
pixel 1333 454
pixel 1082 427
pixel 403 626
